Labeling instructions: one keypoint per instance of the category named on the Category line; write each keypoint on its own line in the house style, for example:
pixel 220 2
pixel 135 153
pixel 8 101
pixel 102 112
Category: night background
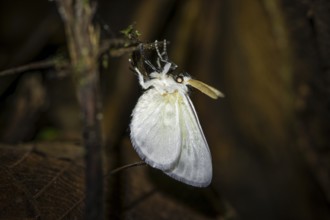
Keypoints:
pixel 269 137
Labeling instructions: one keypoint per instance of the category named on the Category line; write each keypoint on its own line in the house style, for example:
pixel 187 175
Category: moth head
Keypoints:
pixel 181 78
pixel 203 87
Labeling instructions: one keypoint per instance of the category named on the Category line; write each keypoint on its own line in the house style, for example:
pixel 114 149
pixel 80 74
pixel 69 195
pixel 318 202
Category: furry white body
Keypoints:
pixel 165 130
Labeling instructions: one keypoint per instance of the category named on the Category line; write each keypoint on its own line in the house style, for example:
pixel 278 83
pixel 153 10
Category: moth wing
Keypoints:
pixel 155 130
pixel 194 166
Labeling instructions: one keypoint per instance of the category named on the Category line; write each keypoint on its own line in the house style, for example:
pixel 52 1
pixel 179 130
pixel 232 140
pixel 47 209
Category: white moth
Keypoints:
pixel 165 130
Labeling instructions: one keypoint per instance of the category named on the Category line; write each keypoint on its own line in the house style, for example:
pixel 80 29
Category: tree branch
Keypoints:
pixel 83 43
pixel 32 66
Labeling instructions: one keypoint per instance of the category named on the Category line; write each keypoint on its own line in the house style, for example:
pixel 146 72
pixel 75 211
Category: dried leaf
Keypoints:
pixel 38 183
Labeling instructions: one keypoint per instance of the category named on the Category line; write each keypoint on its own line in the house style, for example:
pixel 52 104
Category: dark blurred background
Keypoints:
pixel 269 136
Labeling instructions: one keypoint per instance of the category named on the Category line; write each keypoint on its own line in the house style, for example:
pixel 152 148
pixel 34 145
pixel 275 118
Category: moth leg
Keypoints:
pixel 158 63
pixel 145 60
pixel 144 85
pixel 151 66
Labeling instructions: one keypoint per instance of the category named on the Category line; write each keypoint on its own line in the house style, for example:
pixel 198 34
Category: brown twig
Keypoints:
pixel 140 163
pixel 33 66
pixel 121 46
pixel 115 48
pixel 83 43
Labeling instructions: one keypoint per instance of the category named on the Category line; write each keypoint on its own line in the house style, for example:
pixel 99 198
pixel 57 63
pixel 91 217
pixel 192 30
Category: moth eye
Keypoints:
pixel 179 79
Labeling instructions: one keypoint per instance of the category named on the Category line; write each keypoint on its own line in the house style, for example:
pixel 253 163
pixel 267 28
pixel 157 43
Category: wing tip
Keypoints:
pixel 200 184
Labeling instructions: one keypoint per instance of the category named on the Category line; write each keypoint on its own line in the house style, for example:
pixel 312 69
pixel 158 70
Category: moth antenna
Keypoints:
pixel 165 50
pixel 160 55
pixel 157 50
pixel 164 56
